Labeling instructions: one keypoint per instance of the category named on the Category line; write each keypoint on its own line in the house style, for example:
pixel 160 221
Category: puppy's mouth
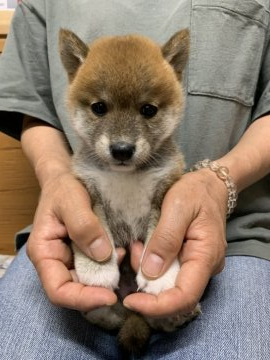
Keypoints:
pixel 122 166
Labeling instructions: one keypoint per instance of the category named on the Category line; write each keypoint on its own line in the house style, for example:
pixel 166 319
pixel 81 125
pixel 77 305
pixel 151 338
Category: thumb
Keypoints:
pixel 166 241
pixel 84 228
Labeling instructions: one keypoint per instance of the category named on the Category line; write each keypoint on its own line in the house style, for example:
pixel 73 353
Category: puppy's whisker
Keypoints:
pixel 153 160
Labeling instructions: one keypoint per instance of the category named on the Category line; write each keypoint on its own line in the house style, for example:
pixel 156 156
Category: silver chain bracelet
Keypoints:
pixel 222 173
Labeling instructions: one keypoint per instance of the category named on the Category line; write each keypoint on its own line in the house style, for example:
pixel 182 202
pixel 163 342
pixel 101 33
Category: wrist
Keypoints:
pixel 222 174
pixel 237 167
pixel 49 168
pixel 47 150
pixel 249 160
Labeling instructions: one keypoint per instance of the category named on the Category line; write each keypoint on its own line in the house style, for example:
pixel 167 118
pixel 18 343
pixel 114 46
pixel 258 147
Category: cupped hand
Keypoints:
pixel 64 211
pixel 192 228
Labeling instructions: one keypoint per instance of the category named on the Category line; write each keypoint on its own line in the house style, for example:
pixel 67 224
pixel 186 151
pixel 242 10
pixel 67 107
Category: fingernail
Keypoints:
pixel 127 305
pixel 152 266
pixel 112 302
pixel 100 249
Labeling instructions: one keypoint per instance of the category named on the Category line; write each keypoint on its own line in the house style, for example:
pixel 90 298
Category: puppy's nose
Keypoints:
pixel 122 151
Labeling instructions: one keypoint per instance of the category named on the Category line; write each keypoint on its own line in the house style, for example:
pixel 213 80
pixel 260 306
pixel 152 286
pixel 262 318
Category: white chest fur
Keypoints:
pixel 129 193
pixel 126 197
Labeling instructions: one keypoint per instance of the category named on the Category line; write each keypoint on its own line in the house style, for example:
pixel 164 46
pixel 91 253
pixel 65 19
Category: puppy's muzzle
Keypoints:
pixel 122 151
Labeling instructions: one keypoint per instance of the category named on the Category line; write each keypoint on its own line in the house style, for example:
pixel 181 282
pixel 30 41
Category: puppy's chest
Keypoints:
pixel 127 201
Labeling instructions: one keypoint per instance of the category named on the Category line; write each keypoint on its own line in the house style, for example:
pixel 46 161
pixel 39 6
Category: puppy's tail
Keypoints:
pixel 134 334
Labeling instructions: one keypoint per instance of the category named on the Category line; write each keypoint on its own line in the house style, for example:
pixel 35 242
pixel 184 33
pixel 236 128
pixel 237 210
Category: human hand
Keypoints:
pixel 192 227
pixel 64 211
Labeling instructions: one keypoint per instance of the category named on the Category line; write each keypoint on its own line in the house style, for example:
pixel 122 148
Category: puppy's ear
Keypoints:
pixel 176 51
pixel 73 52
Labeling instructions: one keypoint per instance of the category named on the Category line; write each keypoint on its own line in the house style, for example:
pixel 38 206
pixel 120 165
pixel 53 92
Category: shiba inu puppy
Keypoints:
pixel 125 99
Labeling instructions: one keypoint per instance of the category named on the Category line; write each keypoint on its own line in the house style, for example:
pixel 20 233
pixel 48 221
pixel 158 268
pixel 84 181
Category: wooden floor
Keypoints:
pixel 18 192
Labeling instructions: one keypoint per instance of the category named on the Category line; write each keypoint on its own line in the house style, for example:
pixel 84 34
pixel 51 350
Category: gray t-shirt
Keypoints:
pixel 227 79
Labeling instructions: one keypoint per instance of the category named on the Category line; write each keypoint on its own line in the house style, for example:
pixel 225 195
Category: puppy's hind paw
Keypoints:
pixel 171 323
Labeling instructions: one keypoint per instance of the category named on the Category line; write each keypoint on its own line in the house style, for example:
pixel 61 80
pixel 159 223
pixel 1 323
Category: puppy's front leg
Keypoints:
pixel 106 274
pixel 167 280
pixel 90 272
pixel 93 273
pixel 164 282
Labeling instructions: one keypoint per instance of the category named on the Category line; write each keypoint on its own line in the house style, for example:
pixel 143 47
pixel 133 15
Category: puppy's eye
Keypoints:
pixel 99 108
pixel 148 111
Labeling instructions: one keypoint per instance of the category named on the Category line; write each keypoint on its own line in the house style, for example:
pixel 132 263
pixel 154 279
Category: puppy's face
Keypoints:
pixel 125 96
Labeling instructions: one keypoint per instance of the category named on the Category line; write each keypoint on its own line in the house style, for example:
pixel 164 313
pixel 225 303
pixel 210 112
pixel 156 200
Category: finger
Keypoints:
pixel 136 251
pixel 74 275
pixel 84 227
pixel 121 252
pixel 62 291
pixel 153 306
pixel 167 239
pixel 191 282
pixel 57 249
pixel 210 254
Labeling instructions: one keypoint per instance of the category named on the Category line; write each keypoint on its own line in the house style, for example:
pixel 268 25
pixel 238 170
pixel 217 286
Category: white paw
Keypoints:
pixel 92 273
pixel 156 286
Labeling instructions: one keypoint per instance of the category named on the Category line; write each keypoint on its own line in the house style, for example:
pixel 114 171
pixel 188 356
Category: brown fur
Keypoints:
pixel 125 73
pixel 134 334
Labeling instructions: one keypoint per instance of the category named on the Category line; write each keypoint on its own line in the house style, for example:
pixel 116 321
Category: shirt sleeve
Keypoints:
pixel 25 86
pixel 262 99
